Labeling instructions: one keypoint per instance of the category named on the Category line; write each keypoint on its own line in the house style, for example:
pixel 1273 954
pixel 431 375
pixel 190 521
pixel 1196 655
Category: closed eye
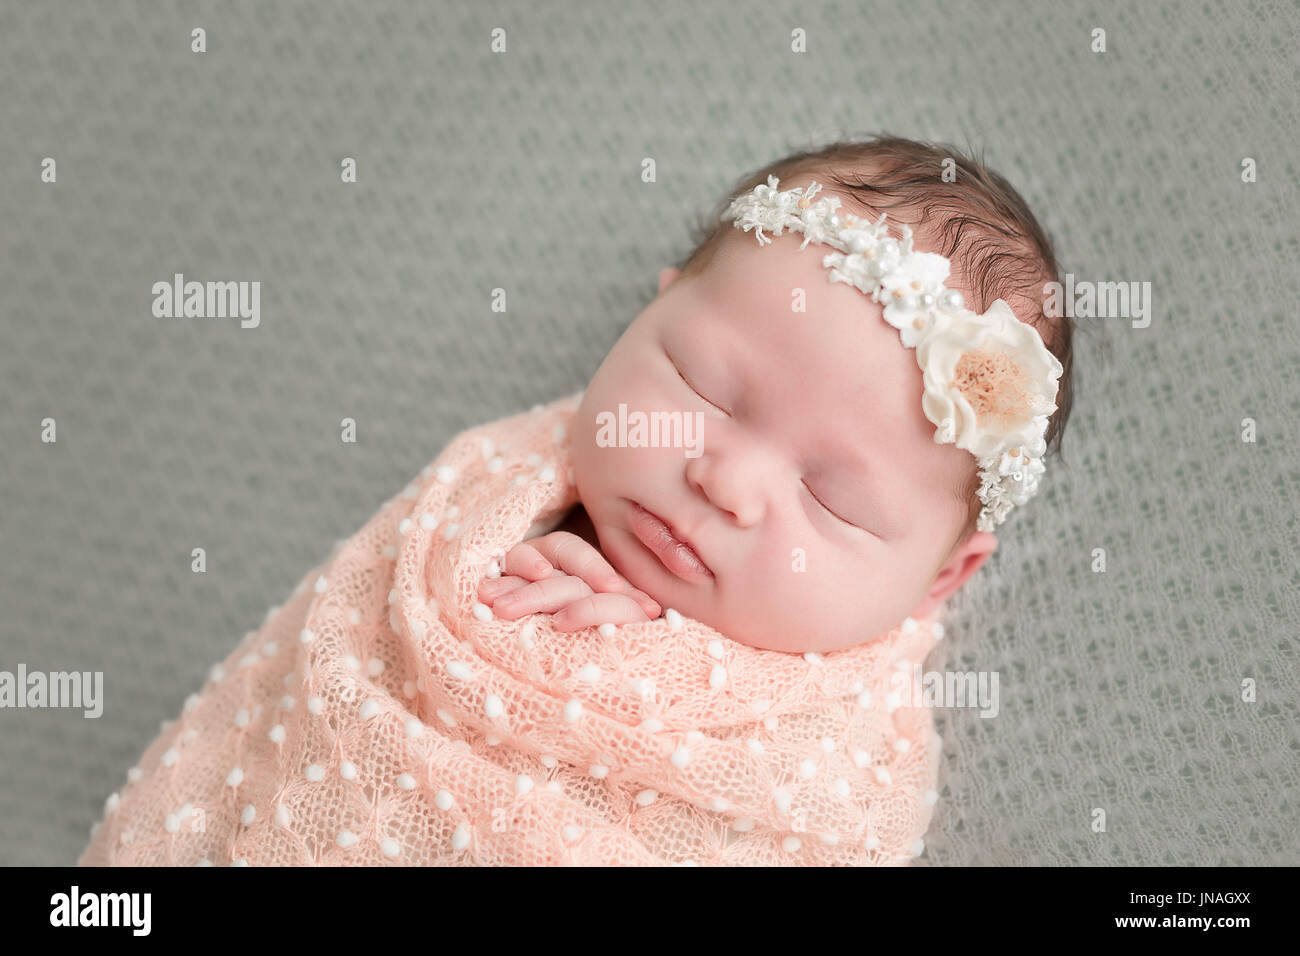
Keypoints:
pixel 693 388
pixel 834 514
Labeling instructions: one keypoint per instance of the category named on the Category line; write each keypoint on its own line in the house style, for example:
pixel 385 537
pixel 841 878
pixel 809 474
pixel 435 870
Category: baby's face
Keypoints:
pixel 819 502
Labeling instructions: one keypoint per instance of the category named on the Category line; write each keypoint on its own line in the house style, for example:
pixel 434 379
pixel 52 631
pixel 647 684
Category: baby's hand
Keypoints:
pixel 560 572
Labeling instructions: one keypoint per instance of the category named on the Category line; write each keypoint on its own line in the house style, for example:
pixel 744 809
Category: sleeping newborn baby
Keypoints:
pixel 564 644
pixel 820 508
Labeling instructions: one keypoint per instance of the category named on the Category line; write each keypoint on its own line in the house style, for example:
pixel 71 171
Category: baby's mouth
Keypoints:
pixel 674 554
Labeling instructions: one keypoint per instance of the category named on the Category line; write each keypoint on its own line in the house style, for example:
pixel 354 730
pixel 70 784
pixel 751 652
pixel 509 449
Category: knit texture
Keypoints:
pixel 383 715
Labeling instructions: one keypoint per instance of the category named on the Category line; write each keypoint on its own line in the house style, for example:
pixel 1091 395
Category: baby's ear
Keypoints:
pixel 964 562
pixel 666 277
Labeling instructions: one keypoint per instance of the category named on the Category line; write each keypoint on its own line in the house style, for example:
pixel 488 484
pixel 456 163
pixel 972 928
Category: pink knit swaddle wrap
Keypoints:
pixel 376 719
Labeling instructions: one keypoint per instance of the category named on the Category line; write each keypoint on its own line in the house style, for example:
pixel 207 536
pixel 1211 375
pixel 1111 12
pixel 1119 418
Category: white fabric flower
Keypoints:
pixel 991 376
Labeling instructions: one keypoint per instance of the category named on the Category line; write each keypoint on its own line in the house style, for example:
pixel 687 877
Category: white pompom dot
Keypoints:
pixel 571 832
pixel 931 797
pixel 315 705
pixel 526 632
pixel 428 522
pixel 572 711
pixel 937 630
pixel 111 803
pixel 652 725
pixel 808 769
pixel 781 797
pixel 406 781
pixel 547 474
pixel 354 616
pixel 680 757
pixel 408 688
pixel 390 847
pixel 909 625
pixel 315 773
pixel 715 649
pixel 306 635
pixel 828 744
pixel 607 629
pixel 589 673
pixel 760 706
pixel 171 823
pixel 598 770
pixel 241 717
pixel 882 775
pixel 646 797
pixel 446 474
pixel 235 777
pixel 413 727
pixel 841 786
pixel 443 800
pixel 533 460
pixel 791 844
pixel 830 839
pixel 812 657
pixel 248 816
pixel 374 666
pixel 523 784
pixel 864 699
pixel 347 838
pixel 482 611
pixel 718 677
pixel 918 846
pixel 674 619
pixel 902 745
pixel 460 837
pixel 348 770
pixel 493 707
pixel 718 805
pixel 755 746
pixel 281 815
pixel 277 734
pixel 861 758
pixel 369 708
pixel 170 757
pixel 742 824
pixel 135 775
pixel 459 670
pixel 191 702
pixel 320 584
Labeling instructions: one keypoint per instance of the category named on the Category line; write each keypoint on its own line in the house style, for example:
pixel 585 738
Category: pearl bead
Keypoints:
pixel 927 300
pixel 951 300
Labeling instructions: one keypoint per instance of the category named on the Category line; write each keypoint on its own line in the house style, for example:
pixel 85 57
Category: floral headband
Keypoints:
pixel 990 383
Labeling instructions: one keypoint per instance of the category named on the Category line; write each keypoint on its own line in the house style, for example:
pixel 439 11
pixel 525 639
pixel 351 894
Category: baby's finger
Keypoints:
pixel 540 597
pixel 525 561
pixel 597 609
pixel 490 589
pixel 578 557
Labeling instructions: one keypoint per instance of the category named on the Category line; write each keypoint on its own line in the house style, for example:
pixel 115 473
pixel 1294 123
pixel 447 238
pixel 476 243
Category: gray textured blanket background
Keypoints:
pixel 1120 691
